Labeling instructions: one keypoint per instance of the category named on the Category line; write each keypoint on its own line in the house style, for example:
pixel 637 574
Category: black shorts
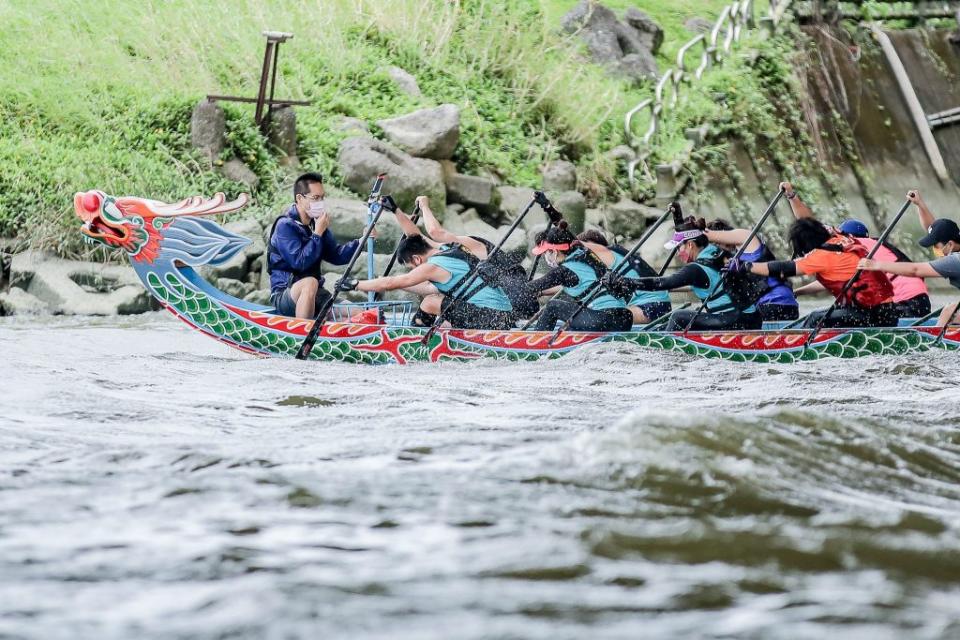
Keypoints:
pixel 727 320
pixel 469 316
pixel 654 310
pixel 284 305
pixel 559 311
pixel 915 307
pixel 884 315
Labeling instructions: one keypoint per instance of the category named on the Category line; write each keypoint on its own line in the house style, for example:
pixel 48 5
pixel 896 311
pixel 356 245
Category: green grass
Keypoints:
pixel 103 99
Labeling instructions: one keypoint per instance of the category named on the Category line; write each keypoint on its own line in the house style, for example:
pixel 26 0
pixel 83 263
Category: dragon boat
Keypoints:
pixel 167 243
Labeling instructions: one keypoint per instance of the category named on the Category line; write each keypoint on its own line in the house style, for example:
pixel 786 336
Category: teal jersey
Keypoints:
pixel 587 279
pixel 480 294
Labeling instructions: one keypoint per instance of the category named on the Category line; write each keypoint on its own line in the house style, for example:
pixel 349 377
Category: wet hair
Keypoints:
pixel 560 234
pixel 411 246
pixel 302 186
pixel 807 234
pixel 719 224
pixel 595 236
pixel 689 224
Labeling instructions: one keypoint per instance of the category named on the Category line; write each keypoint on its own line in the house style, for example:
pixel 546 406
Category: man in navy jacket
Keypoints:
pixel 301 240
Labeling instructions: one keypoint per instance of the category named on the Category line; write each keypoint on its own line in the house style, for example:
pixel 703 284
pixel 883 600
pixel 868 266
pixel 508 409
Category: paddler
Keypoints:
pixel 645 306
pixel 575 270
pixel 943 236
pixel 777 302
pixel 702 273
pixel 503 270
pixel 437 269
pixel 910 295
pixel 832 258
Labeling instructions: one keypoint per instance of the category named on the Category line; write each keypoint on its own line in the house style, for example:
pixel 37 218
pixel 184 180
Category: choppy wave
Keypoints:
pixel 155 484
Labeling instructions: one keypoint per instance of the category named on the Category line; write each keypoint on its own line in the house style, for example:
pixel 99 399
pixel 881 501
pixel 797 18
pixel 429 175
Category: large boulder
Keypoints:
pixel 362 159
pixel 629 219
pixel 427 133
pixel 620 46
pixel 72 287
pixel 559 175
pixel 513 200
pixel 649 33
pixel 235 169
pixel 472 191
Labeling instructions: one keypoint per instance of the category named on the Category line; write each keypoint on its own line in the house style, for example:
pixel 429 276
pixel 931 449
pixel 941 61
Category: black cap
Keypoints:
pixel 941 231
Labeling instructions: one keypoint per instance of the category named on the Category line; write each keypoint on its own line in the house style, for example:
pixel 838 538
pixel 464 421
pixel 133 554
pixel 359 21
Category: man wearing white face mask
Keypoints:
pixel 299 242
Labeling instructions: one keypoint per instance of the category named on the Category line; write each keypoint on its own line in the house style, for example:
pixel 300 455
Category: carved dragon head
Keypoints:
pixel 137 225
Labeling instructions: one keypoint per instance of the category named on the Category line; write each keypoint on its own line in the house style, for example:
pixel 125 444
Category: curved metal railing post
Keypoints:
pixel 735 19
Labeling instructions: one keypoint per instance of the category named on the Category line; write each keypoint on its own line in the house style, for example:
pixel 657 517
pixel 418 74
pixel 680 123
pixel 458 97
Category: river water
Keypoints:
pixel 155 484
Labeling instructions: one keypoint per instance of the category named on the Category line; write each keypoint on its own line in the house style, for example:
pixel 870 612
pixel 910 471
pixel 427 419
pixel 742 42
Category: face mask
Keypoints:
pixel 550 257
pixel 937 251
pixel 316 209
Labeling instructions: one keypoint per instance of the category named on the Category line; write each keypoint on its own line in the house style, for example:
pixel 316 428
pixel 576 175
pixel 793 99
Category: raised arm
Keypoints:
pixel 434 229
pixel 733 237
pixel 800 210
pixel 926 217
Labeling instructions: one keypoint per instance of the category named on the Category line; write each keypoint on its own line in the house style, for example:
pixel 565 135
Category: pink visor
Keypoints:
pixel 682 236
pixel 543 247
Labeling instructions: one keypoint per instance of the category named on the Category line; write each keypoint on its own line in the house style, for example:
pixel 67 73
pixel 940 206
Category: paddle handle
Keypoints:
pixel 856 275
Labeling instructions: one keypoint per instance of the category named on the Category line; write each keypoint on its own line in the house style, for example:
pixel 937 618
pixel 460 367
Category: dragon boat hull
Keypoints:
pixel 167 242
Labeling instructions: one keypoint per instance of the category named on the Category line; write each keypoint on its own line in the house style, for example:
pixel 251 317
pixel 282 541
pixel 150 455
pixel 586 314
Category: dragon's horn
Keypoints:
pixel 195 206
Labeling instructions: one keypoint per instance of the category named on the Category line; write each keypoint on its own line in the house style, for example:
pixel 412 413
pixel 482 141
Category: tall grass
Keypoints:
pixel 98 93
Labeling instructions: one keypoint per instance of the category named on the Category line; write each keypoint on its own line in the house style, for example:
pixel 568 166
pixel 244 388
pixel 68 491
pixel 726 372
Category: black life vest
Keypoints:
pixel 506 272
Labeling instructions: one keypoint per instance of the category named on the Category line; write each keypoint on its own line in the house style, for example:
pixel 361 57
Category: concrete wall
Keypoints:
pixel 863 90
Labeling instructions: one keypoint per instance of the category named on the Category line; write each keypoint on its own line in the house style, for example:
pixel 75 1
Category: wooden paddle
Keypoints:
pixel 856 276
pixel 736 256
pixel 373 203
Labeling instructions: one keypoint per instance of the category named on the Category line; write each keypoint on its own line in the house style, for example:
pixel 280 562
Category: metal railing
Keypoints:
pixel 716 45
